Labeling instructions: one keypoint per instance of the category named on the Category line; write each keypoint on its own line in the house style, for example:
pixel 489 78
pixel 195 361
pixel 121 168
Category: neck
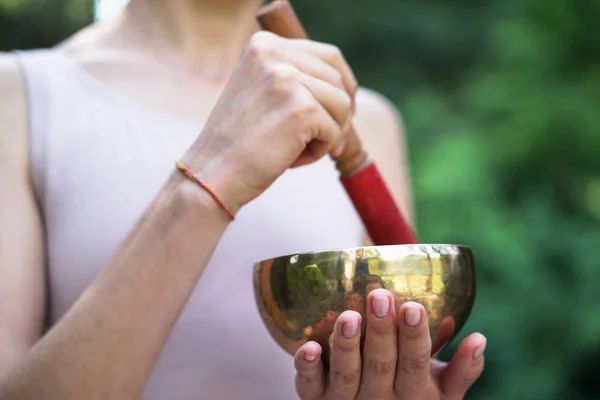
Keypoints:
pixel 205 37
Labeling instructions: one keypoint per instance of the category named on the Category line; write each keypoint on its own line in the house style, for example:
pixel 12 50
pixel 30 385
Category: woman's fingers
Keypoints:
pixel 333 56
pixel 317 68
pixel 321 69
pixel 332 111
pixel 333 99
pixel 345 362
pixel 407 375
pixel 414 352
pixel 464 368
pixel 381 346
pixel 310 380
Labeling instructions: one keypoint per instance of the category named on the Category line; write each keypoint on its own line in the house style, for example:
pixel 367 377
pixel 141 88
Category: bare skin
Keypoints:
pixel 108 323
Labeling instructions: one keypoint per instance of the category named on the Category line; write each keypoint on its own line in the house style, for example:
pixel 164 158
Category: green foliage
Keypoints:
pixel 26 24
pixel 500 100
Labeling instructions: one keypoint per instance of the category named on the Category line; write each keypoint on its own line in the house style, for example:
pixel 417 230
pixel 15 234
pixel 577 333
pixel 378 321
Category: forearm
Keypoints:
pixel 107 344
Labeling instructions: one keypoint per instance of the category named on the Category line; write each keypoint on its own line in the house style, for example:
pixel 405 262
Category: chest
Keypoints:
pixel 156 86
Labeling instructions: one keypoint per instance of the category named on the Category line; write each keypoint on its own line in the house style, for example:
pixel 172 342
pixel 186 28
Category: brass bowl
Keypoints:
pixel 300 296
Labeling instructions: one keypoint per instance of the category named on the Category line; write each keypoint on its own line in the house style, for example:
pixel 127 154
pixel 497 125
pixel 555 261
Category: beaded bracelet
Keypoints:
pixel 189 174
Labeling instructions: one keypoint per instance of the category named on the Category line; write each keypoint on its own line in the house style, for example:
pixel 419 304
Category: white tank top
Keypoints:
pixel 97 161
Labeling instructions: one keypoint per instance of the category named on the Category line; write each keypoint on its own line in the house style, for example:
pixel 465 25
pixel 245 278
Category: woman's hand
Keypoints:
pixel 288 103
pixel 396 360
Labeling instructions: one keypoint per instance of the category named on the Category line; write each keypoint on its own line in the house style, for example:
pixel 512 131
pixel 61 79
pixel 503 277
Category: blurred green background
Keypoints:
pixel 501 101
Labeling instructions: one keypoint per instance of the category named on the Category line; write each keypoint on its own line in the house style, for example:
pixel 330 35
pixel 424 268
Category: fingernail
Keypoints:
pixel 309 357
pixel 381 305
pixel 337 150
pixel 477 354
pixel 349 329
pixel 412 316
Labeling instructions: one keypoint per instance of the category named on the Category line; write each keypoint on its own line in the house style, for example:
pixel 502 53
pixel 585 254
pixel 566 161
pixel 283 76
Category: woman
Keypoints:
pixel 148 281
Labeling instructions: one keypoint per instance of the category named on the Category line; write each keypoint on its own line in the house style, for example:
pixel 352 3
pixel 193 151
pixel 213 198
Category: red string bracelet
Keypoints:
pixel 189 174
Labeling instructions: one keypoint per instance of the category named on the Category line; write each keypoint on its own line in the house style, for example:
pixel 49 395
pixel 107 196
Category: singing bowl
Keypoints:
pixel 300 296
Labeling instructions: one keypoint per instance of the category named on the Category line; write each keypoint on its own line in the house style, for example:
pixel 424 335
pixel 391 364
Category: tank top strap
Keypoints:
pixel 44 78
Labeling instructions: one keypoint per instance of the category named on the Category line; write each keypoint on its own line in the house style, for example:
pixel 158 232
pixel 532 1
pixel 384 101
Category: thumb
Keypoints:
pixel 464 368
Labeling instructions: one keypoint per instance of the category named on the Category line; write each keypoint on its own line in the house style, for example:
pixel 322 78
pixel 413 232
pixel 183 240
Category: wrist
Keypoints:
pixel 191 202
pixel 218 176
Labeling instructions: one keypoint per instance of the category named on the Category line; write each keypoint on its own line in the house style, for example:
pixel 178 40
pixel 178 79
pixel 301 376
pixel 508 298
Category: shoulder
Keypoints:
pixel 377 118
pixel 371 103
pixel 13 110
pixel 379 125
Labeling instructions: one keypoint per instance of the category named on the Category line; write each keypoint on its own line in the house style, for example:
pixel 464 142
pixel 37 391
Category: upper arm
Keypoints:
pixel 22 277
pixel 380 128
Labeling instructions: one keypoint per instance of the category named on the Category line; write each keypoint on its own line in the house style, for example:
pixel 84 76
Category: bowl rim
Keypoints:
pixel 340 249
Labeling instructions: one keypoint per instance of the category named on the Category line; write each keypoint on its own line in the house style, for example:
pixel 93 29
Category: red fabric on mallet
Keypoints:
pixel 379 213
